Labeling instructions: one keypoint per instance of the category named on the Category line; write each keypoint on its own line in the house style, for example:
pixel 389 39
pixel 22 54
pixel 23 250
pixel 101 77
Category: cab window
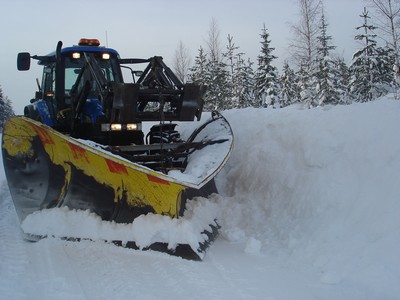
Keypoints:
pixel 109 68
pixel 49 83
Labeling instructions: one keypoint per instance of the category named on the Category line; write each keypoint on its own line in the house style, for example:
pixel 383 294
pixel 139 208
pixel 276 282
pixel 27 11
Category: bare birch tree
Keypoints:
pixel 182 62
pixel 214 41
pixel 304 44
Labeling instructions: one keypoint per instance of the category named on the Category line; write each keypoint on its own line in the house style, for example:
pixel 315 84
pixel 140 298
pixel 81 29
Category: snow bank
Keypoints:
pixel 319 186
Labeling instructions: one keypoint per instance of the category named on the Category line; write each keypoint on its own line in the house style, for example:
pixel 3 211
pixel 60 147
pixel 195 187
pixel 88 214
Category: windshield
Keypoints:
pixel 109 69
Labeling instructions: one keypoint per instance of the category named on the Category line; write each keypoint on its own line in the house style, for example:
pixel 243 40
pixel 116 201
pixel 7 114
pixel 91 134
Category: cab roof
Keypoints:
pixel 85 45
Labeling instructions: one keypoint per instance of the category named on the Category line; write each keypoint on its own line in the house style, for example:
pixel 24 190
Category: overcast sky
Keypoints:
pixel 139 28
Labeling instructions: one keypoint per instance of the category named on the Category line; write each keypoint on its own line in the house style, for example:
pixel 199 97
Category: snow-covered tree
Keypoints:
pixel 388 21
pixel 266 78
pixel 213 74
pixel 303 48
pixel 306 86
pixel 6 109
pixel 217 79
pixel 243 82
pixel 326 90
pixel 385 62
pixel 217 95
pixel 342 80
pixel 249 84
pixel 289 92
pixel 230 53
pixel 198 73
pixel 368 80
pixel 240 84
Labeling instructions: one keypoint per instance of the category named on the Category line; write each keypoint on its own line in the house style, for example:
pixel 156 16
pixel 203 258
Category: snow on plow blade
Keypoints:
pixel 49 171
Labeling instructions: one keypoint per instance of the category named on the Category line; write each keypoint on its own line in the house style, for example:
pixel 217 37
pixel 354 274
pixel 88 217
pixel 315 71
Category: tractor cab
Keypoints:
pixel 83 94
pixel 65 75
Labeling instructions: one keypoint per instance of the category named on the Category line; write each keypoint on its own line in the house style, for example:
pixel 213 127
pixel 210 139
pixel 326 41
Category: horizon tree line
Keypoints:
pixel 315 77
pixel 318 76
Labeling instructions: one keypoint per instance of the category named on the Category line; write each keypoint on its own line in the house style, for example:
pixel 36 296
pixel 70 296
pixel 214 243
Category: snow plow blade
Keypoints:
pixel 48 170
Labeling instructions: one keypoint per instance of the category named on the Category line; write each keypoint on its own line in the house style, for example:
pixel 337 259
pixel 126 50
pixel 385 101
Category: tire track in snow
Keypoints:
pixel 31 270
pixel 233 285
pixel 53 275
pixel 14 259
pixel 110 279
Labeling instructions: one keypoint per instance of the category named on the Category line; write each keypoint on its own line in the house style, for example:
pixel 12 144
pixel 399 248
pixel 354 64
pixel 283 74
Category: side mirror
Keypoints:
pixel 38 95
pixel 23 61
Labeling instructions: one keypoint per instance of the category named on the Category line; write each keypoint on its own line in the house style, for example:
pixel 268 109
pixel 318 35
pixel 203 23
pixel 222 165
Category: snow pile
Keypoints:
pixel 144 230
pixel 320 186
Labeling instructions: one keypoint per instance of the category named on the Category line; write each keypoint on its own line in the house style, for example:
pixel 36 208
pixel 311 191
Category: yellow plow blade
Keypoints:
pixel 47 169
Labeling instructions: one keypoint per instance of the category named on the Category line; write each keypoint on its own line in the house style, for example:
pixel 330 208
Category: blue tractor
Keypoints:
pixel 83 94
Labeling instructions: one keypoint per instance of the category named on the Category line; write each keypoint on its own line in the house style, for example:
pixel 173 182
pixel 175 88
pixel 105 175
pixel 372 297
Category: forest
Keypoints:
pixel 313 75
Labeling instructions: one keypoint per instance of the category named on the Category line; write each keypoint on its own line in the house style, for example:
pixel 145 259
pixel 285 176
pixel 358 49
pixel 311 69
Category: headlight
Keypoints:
pixel 132 126
pixel 76 55
pixel 116 127
pixel 121 127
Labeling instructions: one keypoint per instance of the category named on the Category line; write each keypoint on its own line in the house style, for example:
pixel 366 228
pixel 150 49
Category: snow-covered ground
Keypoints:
pixel 309 206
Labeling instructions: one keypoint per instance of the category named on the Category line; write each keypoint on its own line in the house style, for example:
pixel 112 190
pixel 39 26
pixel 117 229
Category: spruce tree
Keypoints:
pixel 248 84
pixel 289 92
pixel 210 73
pixel 229 55
pixel 305 84
pixel 240 85
pixel 266 78
pixel 385 64
pixel 231 86
pixel 326 89
pixel 243 82
pixel 217 95
pixel 199 70
pixel 342 80
pixel 369 80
